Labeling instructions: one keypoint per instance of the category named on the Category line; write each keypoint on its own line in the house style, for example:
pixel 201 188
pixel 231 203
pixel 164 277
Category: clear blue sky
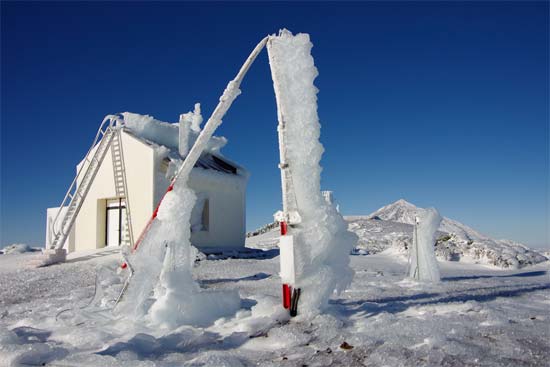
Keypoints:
pixel 444 104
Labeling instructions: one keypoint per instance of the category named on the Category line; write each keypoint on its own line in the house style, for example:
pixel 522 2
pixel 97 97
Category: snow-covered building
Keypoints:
pixel 152 151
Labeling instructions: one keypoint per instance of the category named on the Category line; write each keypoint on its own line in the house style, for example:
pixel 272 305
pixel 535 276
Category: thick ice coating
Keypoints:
pixel 179 136
pixel 162 290
pixel 322 241
pixel 179 298
pixel 422 261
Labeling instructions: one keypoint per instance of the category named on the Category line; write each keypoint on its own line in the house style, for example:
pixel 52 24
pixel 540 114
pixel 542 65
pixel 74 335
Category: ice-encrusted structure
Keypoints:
pixel 179 299
pixel 162 290
pixel 169 134
pixel 322 242
pixel 422 261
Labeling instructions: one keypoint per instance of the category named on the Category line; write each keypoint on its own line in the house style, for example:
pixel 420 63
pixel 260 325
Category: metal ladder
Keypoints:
pixel 74 198
pixel 121 187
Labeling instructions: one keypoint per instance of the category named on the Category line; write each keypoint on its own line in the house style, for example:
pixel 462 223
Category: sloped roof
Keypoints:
pixel 207 160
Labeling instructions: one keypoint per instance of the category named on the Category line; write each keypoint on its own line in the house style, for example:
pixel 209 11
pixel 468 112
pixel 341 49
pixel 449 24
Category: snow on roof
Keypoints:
pixel 166 133
pixel 208 160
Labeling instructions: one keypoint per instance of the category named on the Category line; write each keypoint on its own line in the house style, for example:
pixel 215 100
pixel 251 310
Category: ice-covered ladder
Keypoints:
pixel 74 198
pixel 121 187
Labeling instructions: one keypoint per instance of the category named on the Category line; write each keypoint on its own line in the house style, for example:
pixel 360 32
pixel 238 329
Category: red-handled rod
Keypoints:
pixel 151 220
pixel 149 223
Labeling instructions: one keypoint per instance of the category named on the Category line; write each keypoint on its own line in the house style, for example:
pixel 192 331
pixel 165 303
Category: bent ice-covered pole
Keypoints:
pixel 229 95
pixel 290 216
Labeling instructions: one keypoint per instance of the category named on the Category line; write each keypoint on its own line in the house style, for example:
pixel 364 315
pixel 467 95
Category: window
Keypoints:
pixel 206 215
pixel 200 215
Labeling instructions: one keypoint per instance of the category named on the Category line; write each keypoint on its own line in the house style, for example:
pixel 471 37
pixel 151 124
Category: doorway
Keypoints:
pixel 116 233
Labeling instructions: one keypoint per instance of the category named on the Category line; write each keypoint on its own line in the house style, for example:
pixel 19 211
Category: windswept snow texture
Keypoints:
pixel 422 261
pixel 477 316
pixel 147 127
pixel 392 227
pixel 322 243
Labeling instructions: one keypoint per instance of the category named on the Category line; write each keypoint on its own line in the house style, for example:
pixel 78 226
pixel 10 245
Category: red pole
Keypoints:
pixel 150 222
pixel 287 290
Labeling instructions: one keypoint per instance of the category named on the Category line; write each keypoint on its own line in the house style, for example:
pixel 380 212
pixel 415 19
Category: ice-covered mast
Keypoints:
pixel 229 94
pixel 315 243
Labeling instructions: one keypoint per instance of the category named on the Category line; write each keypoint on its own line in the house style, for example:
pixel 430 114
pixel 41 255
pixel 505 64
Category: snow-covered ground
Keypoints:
pixel 478 315
pixel 391 227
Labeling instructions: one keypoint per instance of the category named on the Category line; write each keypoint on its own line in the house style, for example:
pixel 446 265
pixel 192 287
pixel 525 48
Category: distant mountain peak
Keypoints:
pixel 403 202
pixel 400 211
pixel 462 239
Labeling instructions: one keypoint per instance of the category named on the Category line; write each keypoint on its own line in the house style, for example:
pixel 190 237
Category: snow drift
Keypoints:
pixel 16 248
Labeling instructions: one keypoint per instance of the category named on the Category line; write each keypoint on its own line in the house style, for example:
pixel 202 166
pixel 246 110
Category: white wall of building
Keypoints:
pixel 146 185
pixel 91 221
pixel 226 195
pixel 227 213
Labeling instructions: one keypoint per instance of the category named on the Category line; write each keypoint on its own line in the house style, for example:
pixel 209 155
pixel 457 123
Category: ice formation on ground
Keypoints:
pixel 423 264
pixel 478 316
pixel 322 241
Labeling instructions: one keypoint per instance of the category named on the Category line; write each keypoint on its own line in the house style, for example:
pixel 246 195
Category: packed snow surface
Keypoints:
pixel 477 316
pixel 321 241
pixel 422 261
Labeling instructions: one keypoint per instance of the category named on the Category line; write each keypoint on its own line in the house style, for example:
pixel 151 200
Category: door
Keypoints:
pixel 116 222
